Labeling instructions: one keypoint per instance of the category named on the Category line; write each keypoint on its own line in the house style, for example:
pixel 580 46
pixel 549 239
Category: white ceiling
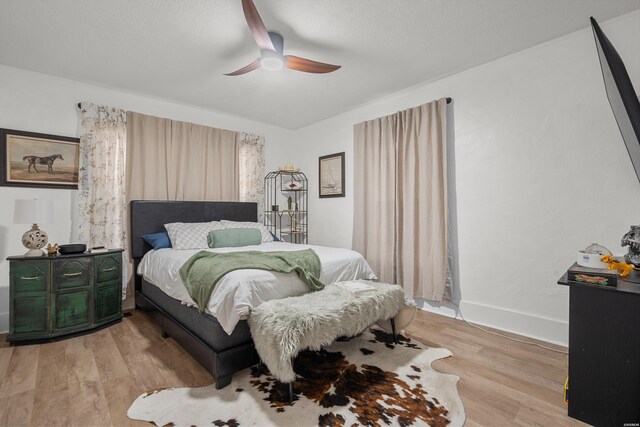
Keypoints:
pixel 178 50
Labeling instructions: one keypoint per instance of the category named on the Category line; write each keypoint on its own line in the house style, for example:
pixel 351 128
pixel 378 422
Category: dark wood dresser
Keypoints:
pixel 604 353
pixel 51 297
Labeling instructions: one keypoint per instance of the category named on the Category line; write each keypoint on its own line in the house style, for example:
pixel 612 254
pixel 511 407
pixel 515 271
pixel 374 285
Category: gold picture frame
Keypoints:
pixel 29 159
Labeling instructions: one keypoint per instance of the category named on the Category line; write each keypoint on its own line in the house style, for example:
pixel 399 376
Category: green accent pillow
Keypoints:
pixel 234 237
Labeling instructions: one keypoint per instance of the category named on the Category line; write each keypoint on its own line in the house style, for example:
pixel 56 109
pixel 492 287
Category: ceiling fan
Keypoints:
pixel 271 46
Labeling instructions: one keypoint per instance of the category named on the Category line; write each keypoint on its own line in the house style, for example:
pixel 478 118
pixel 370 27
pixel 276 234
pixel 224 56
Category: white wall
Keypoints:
pixel 541 171
pixel 40 103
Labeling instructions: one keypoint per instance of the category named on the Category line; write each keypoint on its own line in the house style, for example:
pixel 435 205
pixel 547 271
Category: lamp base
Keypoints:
pixel 34 240
pixel 35 252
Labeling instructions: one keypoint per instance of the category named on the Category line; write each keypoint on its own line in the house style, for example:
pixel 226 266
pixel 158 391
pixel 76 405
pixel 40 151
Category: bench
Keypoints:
pixel 282 328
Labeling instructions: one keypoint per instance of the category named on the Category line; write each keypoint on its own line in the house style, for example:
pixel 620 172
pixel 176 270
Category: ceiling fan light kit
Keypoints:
pixel 271 46
pixel 271 63
pixel 273 60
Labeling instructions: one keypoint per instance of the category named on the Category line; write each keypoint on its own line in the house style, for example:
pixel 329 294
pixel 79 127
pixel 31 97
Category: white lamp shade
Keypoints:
pixel 33 211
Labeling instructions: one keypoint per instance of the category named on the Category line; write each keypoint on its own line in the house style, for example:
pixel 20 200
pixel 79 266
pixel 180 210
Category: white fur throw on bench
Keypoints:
pixel 282 328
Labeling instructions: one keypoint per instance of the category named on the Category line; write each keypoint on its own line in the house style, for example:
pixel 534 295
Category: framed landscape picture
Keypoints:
pixel 331 172
pixel 30 159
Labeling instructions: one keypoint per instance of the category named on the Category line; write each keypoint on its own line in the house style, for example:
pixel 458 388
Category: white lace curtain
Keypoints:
pixel 251 170
pixel 99 217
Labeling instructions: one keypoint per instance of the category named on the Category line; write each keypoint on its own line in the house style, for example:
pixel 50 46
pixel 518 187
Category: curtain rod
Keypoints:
pixel 448 102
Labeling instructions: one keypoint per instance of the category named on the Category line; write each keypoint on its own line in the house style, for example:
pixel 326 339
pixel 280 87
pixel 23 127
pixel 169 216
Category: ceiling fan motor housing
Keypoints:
pixel 278 42
pixel 270 60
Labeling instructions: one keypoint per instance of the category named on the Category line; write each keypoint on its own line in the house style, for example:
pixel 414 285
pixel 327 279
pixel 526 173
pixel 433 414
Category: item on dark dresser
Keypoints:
pixel 592 255
pixel 632 239
pixel 98 250
pixel 74 248
pixel 592 276
pixel 59 296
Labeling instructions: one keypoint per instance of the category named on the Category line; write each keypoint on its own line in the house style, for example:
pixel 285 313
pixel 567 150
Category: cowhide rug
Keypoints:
pixel 365 380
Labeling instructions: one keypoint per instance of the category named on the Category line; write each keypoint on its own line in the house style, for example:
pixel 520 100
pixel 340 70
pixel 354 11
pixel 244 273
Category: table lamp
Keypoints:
pixel 33 212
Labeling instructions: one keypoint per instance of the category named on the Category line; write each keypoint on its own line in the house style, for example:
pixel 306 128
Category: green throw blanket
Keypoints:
pixel 202 271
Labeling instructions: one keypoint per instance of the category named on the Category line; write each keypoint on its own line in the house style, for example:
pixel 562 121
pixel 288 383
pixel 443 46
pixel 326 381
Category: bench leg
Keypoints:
pixel 393 330
pixel 222 382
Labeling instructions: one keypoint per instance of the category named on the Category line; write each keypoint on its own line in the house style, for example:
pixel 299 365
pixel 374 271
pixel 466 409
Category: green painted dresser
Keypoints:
pixel 51 297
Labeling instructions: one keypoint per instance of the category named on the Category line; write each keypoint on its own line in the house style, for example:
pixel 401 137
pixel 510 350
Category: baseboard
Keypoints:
pixel 4 323
pixel 537 327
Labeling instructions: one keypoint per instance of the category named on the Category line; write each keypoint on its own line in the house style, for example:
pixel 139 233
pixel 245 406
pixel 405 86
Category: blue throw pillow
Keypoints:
pixel 275 238
pixel 158 240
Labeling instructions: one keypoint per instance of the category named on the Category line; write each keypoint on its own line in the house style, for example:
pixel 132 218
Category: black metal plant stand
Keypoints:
pixel 286 203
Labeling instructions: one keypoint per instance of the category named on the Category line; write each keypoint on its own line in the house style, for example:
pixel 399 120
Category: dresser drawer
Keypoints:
pixel 72 273
pixel 29 276
pixel 72 309
pixel 108 301
pixel 30 314
pixel 108 267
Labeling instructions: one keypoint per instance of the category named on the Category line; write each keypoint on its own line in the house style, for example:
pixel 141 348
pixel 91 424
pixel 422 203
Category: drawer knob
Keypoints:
pixel 109 269
pixel 29 278
pixel 72 274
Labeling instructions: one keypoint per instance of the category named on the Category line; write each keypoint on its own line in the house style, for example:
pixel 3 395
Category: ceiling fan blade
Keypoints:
pixel 256 26
pixel 244 70
pixel 308 66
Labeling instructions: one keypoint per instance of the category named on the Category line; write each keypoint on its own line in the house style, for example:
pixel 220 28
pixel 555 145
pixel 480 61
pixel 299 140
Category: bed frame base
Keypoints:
pixel 221 365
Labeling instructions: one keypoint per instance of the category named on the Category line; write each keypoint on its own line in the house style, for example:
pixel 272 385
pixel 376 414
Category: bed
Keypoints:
pixel 220 342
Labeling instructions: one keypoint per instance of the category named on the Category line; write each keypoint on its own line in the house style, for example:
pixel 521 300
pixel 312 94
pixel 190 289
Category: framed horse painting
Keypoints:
pixel 29 159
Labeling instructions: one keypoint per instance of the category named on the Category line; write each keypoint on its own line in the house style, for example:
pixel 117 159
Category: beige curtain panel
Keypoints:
pixel 400 212
pixel 374 195
pixel 172 160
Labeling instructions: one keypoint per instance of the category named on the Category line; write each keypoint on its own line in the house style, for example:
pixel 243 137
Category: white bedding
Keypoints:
pixel 241 290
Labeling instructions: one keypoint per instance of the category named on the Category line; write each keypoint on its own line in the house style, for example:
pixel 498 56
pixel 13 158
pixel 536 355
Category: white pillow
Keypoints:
pixel 191 235
pixel 266 236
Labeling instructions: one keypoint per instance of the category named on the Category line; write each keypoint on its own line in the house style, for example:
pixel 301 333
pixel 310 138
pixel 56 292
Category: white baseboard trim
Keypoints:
pixel 4 323
pixel 526 324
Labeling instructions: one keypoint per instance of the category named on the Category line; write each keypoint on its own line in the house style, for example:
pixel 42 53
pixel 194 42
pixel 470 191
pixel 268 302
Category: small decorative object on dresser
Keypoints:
pixel 33 212
pixel 72 248
pixel 63 295
pixel 331 171
pixel 52 250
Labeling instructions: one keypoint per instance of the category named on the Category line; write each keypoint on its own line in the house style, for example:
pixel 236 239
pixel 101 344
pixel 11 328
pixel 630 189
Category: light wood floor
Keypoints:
pixel 92 380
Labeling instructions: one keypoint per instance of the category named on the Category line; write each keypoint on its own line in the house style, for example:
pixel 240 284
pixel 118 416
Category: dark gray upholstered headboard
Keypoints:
pixel 149 216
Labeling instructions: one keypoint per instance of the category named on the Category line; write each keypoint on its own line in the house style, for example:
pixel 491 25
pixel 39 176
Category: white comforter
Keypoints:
pixel 241 290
